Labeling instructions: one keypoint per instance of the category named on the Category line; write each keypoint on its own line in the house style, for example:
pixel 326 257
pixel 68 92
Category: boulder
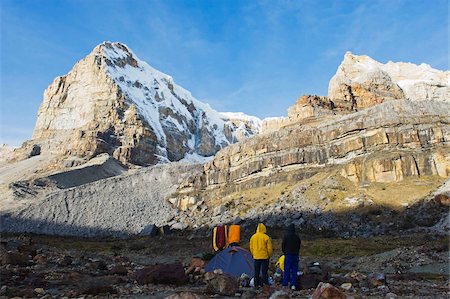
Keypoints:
pixel 163 274
pixel 196 265
pixel 118 270
pixel 327 291
pixel 220 283
pixel 309 281
pixel 98 285
pixel 14 258
pixel 150 230
pixel 35 151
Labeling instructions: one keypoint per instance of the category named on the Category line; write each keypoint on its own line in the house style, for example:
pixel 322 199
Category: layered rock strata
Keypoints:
pixel 385 143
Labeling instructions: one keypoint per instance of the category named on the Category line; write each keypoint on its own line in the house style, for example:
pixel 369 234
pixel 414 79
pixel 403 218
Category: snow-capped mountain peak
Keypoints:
pixel 136 110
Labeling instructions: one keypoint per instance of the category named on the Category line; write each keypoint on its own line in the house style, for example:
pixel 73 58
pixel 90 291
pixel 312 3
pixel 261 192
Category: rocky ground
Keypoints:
pixel 390 266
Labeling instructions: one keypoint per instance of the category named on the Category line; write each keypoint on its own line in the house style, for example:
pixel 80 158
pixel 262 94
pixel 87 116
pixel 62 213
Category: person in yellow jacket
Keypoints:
pixel 261 249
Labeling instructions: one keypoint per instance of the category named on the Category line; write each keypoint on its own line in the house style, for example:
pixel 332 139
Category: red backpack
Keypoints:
pixel 220 239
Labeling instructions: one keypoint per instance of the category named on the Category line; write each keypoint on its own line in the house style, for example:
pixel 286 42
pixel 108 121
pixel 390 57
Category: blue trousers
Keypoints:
pixel 290 269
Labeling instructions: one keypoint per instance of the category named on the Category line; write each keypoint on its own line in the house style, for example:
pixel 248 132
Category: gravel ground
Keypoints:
pixel 116 206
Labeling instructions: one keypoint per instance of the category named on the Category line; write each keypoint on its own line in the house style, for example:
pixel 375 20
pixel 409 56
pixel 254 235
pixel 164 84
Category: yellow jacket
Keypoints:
pixel 280 263
pixel 260 244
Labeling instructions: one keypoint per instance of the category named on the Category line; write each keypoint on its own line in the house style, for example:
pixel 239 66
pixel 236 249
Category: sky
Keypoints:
pixel 256 57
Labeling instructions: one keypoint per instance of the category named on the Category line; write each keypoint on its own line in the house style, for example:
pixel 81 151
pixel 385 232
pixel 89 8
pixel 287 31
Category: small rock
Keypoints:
pixel 121 259
pixel 196 266
pixel 183 295
pixel 383 289
pixel 249 294
pixel 346 286
pixel 327 291
pixel 178 226
pixel 280 294
pixel 40 259
pixel 39 291
pixel 376 279
pixel 391 295
pixel 65 261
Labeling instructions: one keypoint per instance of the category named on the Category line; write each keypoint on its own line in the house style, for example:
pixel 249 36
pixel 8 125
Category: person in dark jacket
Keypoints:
pixel 291 249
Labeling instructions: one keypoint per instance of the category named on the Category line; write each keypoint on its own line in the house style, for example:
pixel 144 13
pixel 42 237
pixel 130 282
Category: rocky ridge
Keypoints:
pixel 389 143
pixel 370 82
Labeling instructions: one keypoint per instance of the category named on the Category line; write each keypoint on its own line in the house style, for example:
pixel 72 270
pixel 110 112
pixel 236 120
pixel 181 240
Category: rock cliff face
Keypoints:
pixel 112 102
pixel 388 143
pixel 368 82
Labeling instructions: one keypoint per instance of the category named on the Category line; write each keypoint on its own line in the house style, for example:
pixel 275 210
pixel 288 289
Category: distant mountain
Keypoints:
pixel 370 82
pixel 113 102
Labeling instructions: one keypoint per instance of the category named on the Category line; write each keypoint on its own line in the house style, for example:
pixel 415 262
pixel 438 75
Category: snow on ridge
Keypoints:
pixel 241 116
pixel 406 72
pixel 196 158
pixel 151 90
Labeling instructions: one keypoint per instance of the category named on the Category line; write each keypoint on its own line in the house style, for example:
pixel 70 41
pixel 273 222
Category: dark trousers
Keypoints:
pixel 261 268
pixel 290 269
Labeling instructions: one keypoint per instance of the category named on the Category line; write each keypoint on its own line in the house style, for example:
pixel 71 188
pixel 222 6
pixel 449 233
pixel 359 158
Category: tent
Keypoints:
pixel 234 261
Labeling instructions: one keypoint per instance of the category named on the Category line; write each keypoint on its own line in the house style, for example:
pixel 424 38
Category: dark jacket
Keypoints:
pixel 291 242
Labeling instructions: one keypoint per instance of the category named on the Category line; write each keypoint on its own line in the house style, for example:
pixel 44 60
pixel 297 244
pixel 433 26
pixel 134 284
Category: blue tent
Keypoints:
pixel 234 261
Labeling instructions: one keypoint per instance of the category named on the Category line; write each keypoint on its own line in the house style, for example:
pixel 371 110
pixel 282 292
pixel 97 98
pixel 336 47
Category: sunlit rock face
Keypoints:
pixel 368 82
pixel 111 101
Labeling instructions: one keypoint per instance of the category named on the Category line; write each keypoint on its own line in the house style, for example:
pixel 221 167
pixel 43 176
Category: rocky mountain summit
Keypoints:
pixel 113 102
pixel 370 82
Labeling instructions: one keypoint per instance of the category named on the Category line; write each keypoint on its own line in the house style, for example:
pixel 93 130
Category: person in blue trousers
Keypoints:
pixel 291 249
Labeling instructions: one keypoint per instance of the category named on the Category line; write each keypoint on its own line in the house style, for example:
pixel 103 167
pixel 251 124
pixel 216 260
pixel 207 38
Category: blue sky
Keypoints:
pixel 253 56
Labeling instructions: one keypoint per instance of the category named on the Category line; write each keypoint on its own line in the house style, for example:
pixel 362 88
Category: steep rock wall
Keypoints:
pixel 385 143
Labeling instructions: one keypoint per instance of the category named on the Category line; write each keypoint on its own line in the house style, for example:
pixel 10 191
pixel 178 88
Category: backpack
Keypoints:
pixel 234 234
pixel 220 239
